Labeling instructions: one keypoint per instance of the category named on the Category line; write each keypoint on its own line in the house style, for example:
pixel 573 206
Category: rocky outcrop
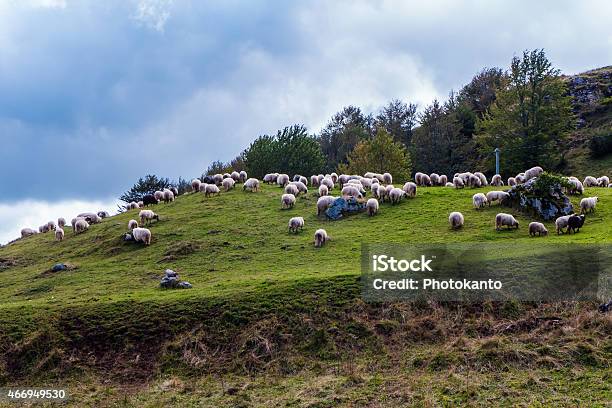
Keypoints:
pixel 543 200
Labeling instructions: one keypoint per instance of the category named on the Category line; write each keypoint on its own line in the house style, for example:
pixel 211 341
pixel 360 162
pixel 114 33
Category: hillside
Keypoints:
pixel 265 301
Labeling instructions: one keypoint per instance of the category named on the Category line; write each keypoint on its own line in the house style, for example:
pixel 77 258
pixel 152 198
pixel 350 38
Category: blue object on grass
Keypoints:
pixel 341 205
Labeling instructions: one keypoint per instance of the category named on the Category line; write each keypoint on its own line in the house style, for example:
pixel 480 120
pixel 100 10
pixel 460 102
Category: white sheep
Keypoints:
pixel 435 178
pixel 217 178
pixel 324 202
pixel 251 184
pixel 382 194
pixel 443 180
pixel 479 200
pixel 74 221
pixel 320 238
pixel 497 181
pixel 496 196
pixel 142 235
pixel 147 216
pixel 132 206
pixel 533 172
pixel 387 178
pixel 61 222
pixel 417 178
pixel 537 227
pixel 456 220
pixel 287 200
pixel 228 184
pixel 132 224
pixel 389 187
pixel 410 189
pixel 80 226
pixel 576 186
pixel 314 181
pixel 59 234
pixel 508 220
pixel 588 204
pixel 425 180
pixel 334 177
pixel 458 182
pixel 211 189
pixel 159 195
pixel 141 204
pixel 202 188
pixel 91 218
pixel 282 180
pixel 26 232
pixel 350 191
pixel 168 195
pixel 512 182
pixel 270 178
pixel 482 177
pixel 292 189
pixel 51 225
pixel 235 176
pixel 323 190
pixel 243 176
pixel 603 181
pixel 372 207
pixel 296 224
pixel 396 195
pixel 367 183
pixel 474 181
pixel 449 184
pixel 195 185
pixel 520 178
pixel 561 223
pixel 303 180
pixel 300 186
pixel 327 181
pixel 43 229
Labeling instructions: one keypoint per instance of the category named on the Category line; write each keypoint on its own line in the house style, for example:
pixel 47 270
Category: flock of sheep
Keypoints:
pixel 355 186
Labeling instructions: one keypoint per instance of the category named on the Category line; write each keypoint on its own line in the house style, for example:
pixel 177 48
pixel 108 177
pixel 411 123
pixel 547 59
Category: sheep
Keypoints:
pixel 323 203
pixel 479 200
pixel 80 226
pixel 270 178
pixel 140 205
pixel 497 181
pixel 366 183
pixel 576 186
pixel 334 177
pixel 147 216
pixel 342 180
pixel 442 180
pixel 168 196
pixel 520 178
pixel 174 191
pixel 465 177
pixel 588 204
pixel 91 218
pixel 203 187
pixel 449 184
pixel 456 220
pixel 303 180
pixel 387 178
pixel 132 206
pixel 320 238
pixel 323 190
pixel 417 178
pixel 243 176
pixel 208 180
pixel 395 195
pixel 351 190
pixel 287 201
pixel 74 221
pixel 533 172
pixel 296 224
pixel 159 195
pixel 389 187
pixel 508 220
pixel 300 186
pixel 43 229
pixel 603 181
pixel 474 181
pixel 142 235
pixel 217 179
pixel 132 224
pixel 235 176
pixel 512 182
pixel 282 180
pixel 458 182
pixel 610 185
pixel 251 184
pixel 149 199
pixel 372 207
pixel 59 234
pixel 482 177
pixel 425 180
pixel 103 214
pixel 51 225
pixel 382 194
pixel 314 181
pixel 410 189
pixel 211 189
pixel 374 189
pixel 537 227
pixel 292 189
pixel 61 222
pixel 561 223
pixel 228 183
pixel 26 232
pixel 575 222
pixel 195 185
pixel 327 181
pixel 435 178
pixel 496 196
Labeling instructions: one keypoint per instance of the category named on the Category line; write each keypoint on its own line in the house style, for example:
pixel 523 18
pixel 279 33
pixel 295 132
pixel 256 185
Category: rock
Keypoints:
pixel 184 285
pixel 170 272
pixel 547 205
pixel 58 267
pixel 171 281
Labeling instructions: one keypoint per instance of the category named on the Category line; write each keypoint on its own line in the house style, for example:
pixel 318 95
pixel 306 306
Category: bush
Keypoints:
pixel 601 145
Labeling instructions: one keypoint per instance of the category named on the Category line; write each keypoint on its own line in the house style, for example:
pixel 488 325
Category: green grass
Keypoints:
pixel 265 300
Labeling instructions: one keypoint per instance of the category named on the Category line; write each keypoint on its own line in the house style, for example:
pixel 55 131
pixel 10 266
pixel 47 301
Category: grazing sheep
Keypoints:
pixel 590 181
pixel 142 235
pixel 300 186
pixel 147 216
pixel 208 180
pixel 174 191
pixel 140 205
pixel 410 189
pixel 588 204
pixel 168 195
pixel 195 185
pixel 59 234
pixel 576 186
pixel 80 226
pixel 334 177
pixel 387 178
pixel 458 182
pixel 235 176
pixel 603 181
pixel 342 180
pixel 132 206
pixel 508 220
pixel 26 232
pixel 150 199
pixel 211 189
pixel 73 223
pixel 474 181
pixel 512 182
pixel 103 214
pixel 417 178
pixel 320 238
pixel 323 190
pixel 270 178
pixel 159 195
pixel 243 176
pixel 51 225
pixel 442 180
pixel 296 224
pixel 456 220
pixel 217 179
pixel 449 184
pixel 482 177
pixel 395 195
pixel 327 181
pixel 520 178
pixel 382 194
pixel 366 183
pixel 479 200
pixel 228 184
pixel 132 224
pixel 575 222
pixel 303 180
pixel 282 180
pixel 374 190
pixel 389 187
pixel 496 196
pixel 61 222
pixel 533 172
pixel 314 181
pixel 372 207
pixel 91 218
pixel 203 187
pixel 497 181
pixel 287 201
pixel 323 203
pixel 43 229
pixel 561 223
pixel 435 179
pixel 425 180
pixel 351 190
pixel 251 184
pixel 537 227
pixel 292 189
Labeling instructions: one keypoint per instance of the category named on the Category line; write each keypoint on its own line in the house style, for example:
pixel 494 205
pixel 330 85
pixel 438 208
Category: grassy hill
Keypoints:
pixel 272 320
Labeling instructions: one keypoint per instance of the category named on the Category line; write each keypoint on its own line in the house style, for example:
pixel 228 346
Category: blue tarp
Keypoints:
pixel 341 205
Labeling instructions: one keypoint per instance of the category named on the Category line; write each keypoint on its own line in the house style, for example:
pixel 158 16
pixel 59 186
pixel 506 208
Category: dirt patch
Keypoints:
pixel 180 249
pixel 6 263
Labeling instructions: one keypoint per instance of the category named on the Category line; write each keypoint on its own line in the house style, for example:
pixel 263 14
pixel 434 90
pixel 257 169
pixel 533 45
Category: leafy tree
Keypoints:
pixel 145 185
pixel 182 185
pixel 398 119
pixel 531 116
pixel 218 167
pixel 261 156
pixel 379 154
pixel 480 93
pixel 346 128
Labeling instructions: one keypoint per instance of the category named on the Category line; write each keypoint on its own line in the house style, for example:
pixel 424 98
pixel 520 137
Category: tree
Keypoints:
pixel 531 116
pixel 145 185
pixel 379 154
pixel 398 119
pixel 479 94
pixel 346 128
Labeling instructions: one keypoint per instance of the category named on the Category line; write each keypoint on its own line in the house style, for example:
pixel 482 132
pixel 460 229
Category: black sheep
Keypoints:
pixel 208 180
pixel 149 199
pixel 174 191
pixel 574 223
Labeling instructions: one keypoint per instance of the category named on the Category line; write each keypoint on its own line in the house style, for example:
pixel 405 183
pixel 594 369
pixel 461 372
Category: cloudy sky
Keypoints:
pixel 94 94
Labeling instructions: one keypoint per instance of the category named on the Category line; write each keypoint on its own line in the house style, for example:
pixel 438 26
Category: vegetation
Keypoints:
pixel 145 185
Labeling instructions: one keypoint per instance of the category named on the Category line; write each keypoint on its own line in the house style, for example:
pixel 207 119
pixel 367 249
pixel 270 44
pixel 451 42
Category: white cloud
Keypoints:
pixel 153 13
pixel 32 214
